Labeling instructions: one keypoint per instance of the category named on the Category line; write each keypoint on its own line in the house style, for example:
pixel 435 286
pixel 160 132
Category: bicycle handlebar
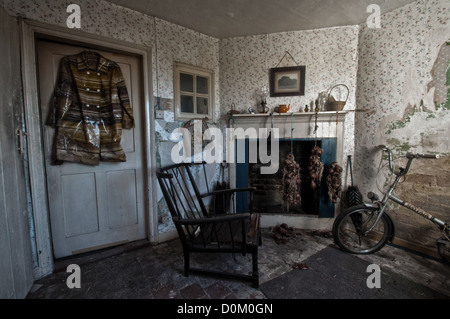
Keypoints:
pixel 430 156
pixel 409 156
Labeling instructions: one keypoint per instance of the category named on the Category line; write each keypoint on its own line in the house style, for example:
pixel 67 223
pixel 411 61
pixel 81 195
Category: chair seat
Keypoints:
pixel 228 235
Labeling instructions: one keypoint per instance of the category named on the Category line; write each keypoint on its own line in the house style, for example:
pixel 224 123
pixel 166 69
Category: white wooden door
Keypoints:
pixel 93 207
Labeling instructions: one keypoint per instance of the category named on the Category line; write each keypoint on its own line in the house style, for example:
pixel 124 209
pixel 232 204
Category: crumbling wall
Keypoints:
pixel 428 187
pixel 403 101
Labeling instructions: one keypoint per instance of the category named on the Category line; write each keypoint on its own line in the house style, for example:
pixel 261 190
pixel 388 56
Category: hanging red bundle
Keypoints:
pixel 334 182
pixel 315 167
pixel 291 182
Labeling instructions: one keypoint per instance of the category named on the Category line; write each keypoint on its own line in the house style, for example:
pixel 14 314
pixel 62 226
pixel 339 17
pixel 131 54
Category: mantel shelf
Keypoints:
pixel 320 114
pixel 279 118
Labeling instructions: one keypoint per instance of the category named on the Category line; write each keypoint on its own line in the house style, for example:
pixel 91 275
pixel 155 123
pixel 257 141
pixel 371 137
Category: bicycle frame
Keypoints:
pixel 390 196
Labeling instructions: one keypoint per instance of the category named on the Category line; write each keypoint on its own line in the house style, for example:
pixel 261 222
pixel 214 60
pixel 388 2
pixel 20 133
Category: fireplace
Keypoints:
pixel 316 210
pixel 268 197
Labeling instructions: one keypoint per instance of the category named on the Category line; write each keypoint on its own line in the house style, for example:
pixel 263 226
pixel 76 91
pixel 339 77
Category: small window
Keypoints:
pixel 194 92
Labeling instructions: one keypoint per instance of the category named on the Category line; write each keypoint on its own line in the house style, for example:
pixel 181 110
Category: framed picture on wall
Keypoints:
pixel 289 81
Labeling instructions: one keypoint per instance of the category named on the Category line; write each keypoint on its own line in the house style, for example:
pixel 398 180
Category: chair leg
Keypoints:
pixel 259 237
pixel 186 263
pixel 255 272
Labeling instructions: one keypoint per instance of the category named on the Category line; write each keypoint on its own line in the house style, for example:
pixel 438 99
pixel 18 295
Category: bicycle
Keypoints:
pixel 367 228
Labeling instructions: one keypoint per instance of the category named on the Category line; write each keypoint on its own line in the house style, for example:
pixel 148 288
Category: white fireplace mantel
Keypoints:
pixel 329 125
pixel 303 123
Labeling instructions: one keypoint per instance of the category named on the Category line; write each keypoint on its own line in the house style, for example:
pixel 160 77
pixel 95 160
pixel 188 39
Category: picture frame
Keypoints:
pixel 287 81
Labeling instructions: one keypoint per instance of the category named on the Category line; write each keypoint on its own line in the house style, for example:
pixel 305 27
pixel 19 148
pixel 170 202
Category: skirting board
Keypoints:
pixel 297 221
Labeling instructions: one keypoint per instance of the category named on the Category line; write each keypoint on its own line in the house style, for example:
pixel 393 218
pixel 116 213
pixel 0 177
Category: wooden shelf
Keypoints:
pixel 259 120
pixel 288 114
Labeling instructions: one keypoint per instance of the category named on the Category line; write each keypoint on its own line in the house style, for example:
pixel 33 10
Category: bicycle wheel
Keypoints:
pixel 351 230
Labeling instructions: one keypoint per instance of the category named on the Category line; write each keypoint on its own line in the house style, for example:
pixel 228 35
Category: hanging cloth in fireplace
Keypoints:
pixel 291 177
pixel 315 164
pixel 334 178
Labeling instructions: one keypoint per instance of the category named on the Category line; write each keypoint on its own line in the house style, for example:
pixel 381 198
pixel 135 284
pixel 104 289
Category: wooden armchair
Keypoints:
pixel 201 230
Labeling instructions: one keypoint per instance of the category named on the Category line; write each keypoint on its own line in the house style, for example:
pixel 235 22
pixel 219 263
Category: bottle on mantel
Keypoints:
pixel 317 107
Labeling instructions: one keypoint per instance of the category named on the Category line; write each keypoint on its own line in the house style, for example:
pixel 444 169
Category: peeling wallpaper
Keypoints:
pixel 441 78
pixel 396 88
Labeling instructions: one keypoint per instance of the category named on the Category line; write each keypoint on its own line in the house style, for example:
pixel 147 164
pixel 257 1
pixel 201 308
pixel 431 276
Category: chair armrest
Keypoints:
pixel 213 220
pixel 230 190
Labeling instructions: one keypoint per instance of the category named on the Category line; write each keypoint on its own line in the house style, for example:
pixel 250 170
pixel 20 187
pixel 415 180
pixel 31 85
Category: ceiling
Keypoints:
pixel 233 18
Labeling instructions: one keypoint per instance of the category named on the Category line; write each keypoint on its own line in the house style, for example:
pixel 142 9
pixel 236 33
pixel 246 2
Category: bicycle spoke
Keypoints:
pixel 355 231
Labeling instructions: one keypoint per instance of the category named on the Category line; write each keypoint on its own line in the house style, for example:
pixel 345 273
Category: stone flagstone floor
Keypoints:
pixel 156 272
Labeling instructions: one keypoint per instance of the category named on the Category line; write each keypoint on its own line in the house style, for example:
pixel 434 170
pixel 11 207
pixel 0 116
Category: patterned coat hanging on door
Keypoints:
pixel 91 107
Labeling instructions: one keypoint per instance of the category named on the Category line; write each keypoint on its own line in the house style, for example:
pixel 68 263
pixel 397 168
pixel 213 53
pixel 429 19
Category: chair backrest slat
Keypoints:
pixel 185 187
pixel 181 192
pixel 197 192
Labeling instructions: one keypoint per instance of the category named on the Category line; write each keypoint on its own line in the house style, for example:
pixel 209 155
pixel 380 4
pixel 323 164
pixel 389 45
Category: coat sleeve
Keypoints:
pixel 128 118
pixel 64 95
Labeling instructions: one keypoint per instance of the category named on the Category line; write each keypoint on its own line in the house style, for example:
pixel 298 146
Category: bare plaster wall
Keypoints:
pixel 399 104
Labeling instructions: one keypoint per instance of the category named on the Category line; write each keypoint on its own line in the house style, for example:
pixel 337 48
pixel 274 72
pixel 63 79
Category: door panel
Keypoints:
pixel 122 201
pixel 93 207
pixel 80 217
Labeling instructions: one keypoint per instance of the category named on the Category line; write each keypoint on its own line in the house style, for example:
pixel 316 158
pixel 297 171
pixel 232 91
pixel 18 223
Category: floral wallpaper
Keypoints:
pixel 98 17
pixel 396 89
pixel 330 56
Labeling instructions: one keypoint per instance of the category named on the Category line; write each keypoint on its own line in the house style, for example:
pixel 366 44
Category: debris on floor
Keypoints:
pixel 300 266
pixel 322 233
pixel 282 234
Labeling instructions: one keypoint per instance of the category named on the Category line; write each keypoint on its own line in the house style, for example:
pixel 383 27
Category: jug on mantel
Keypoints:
pixel 283 108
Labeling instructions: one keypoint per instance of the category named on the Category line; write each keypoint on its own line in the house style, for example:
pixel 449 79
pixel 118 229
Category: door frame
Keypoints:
pixel 30 32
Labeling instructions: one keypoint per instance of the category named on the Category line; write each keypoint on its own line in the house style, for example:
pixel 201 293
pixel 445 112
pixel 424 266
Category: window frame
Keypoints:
pixel 182 68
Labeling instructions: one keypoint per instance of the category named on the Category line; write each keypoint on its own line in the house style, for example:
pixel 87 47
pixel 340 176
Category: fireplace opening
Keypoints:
pixel 268 197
